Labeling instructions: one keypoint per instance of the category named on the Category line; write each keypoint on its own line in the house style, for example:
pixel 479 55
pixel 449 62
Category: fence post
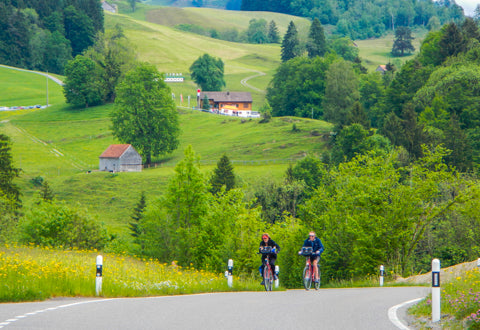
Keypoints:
pixel 98 279
pixel 230 272
pixel 382 274
pixel 435 290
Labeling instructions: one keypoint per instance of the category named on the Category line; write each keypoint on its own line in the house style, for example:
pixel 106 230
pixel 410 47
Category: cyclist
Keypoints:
pixel 272 257
pixel 317 247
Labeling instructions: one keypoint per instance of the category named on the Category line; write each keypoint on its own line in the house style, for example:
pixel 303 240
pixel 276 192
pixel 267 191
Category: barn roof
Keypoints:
pixel 227 96
pixel 115 150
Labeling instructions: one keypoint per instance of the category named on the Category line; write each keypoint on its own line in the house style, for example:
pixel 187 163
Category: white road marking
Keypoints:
pixel 392 313
pixel 7 322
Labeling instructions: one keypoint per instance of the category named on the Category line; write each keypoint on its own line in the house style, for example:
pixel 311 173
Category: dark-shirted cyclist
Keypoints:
pixel 272 257
pixel 317 247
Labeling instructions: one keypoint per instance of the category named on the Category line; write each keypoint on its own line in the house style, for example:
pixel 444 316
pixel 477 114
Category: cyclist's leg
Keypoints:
pixel 272 264
pixel 315 268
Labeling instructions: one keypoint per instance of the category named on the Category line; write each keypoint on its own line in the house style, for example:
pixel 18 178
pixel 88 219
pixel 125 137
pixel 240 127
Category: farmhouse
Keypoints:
pixel 120 158
pixel 238 103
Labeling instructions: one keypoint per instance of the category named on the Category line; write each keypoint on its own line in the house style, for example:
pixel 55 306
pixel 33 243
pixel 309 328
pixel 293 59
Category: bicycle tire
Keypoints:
pixel 267 282
pixel 317 284
pixel 307 278
pixel 270 276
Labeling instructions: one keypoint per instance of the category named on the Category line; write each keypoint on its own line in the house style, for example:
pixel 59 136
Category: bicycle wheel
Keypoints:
pixel 317 283
pixel 267 280
pixel 307 278
pixel 270 276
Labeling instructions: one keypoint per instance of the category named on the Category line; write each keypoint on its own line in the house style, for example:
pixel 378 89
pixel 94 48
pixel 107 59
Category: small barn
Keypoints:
pixel 120 158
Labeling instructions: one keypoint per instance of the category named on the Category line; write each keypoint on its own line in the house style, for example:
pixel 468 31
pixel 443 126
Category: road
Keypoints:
pixel 360 308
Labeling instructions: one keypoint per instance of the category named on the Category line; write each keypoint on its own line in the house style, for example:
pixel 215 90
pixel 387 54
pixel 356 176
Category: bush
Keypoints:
pixel 58 225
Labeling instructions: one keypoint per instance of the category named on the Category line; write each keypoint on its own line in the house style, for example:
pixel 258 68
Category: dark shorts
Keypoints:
pixel 314 257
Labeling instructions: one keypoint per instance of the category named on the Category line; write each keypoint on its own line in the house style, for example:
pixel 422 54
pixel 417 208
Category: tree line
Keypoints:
pixel 45 34
pixel 431 100
pixel 363 19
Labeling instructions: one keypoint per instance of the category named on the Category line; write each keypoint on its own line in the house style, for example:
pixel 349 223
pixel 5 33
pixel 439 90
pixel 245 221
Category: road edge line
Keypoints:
pixel 392 313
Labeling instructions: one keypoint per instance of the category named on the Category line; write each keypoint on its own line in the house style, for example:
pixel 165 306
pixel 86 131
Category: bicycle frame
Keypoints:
pixel 267 273
pixel 309 274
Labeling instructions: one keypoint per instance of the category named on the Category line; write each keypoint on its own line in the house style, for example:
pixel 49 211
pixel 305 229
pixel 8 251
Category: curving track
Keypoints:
pixel 366 308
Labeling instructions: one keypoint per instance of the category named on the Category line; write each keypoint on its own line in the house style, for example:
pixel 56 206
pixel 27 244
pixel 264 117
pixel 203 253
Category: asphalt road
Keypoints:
pixel 365 308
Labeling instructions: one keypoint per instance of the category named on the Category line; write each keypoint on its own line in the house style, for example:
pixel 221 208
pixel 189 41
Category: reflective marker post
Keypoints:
pixel 382 274
pixel 230 272
pixel 98 279
pixel 435 290
pixel 277 270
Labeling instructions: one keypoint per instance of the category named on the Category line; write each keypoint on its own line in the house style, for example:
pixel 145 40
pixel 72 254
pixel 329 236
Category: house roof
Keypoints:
pixel 381 67
pixel 115 151
pixel 227 96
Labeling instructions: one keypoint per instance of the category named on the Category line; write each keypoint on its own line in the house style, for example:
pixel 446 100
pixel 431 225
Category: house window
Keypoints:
pixel 236 105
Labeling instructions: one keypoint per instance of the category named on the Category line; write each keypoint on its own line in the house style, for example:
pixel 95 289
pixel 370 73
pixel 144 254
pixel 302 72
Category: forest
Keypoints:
pixel 44 35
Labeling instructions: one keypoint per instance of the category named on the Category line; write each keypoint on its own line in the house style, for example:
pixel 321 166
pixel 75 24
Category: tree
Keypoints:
pixel 316 44
pixel 8 173
pixel 133 4
pixel 82 82
pixel 79 29
pixel 145 114
pixel 222 176
pixel 114 56
pixel 403 41
pixel 257 31
pixel 341 92
pixel 272 33
pixel 298 87
pixel 135 225
pixel 290 43
pixel 452 41
pixel 207 72
pixel 46 193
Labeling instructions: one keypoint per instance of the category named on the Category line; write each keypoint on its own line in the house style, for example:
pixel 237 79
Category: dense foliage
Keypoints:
pixel 361 19
pixel 145 114
pixel 208 73
pixel 44 35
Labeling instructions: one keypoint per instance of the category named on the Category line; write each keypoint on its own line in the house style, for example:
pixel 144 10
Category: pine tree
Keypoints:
pixel 290 43
pixel 222 176
pixel 46 194
pixel 137 216
pixel 272 34
pixel 403 41
pixel 452 41
pixel 8 172
pixel 316 44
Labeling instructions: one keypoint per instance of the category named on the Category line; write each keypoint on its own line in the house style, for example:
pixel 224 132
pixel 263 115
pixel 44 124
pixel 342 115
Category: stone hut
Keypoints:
pixel 120 158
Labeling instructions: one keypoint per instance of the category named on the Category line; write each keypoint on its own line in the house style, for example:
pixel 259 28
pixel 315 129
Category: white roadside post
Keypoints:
pixel 277 270
pixel 230 272
pixel 98 279
pixel 435 290
pixel 478 262
pixel 382 274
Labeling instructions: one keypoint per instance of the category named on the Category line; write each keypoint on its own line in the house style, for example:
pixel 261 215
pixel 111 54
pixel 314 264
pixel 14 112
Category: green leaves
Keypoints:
pixel 145 114
pixel 207 72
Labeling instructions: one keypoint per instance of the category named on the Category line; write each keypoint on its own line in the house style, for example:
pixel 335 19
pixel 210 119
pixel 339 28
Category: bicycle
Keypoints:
pixel 268 278
pixel 308 271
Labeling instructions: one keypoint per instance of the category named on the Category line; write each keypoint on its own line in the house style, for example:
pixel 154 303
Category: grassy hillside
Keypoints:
pixel 61 144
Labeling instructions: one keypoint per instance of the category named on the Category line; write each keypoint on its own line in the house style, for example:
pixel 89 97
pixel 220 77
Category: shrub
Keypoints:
pixel 58 225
